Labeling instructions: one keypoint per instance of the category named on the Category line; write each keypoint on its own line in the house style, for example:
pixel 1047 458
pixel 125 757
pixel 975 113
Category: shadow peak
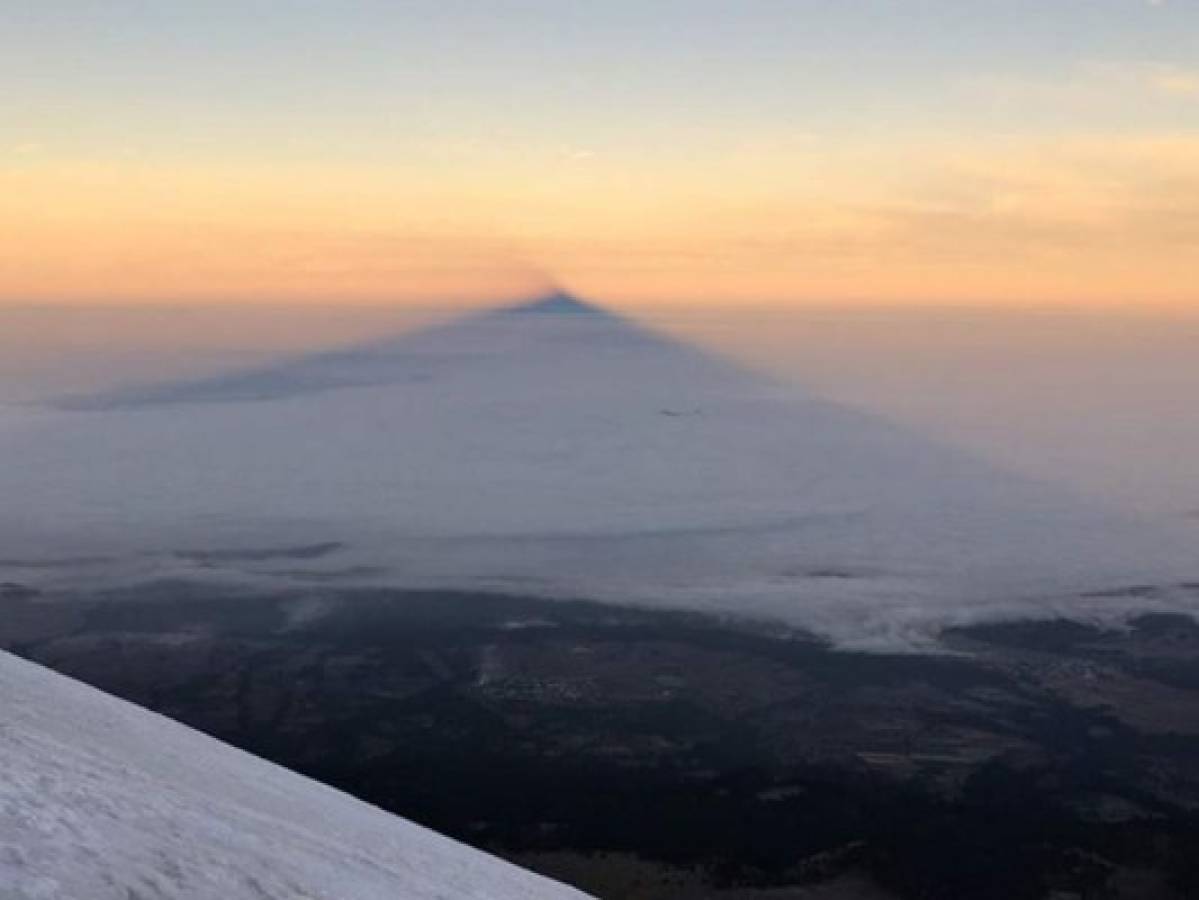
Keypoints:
pixel 557 302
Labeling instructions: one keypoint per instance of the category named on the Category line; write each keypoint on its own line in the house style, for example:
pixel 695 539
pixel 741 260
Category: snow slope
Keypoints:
pixel 559 449
pixel 102 800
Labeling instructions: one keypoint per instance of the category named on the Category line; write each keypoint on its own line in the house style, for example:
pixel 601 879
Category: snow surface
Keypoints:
pixel 102 800
pixel 559 449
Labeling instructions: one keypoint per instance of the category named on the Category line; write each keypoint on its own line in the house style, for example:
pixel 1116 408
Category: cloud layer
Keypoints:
pixel 567 455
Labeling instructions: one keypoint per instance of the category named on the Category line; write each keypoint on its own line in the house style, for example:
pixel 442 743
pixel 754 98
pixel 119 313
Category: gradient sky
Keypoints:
pixel 911 151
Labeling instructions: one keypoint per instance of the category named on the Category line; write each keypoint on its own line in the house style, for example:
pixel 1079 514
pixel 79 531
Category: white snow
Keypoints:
pixel 102 800
pixel 563 450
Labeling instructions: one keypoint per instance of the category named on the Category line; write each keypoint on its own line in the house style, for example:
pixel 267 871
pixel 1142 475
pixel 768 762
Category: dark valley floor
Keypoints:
pixel 668 755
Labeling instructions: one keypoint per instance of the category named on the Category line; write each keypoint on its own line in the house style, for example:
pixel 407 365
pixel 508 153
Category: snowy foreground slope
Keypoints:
pixel 554 448
pixel 102 800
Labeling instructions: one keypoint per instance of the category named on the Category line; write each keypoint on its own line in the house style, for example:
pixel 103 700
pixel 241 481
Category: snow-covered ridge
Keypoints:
pixel 102 800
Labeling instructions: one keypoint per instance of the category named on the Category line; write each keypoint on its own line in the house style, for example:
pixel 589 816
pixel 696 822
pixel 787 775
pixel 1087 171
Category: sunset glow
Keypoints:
pixel 797 152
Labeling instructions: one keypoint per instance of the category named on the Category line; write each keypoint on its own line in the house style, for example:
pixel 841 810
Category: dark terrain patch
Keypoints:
pixel 594 738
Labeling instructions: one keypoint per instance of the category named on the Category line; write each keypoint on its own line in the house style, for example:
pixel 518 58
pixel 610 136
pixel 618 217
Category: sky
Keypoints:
pixel 1021 152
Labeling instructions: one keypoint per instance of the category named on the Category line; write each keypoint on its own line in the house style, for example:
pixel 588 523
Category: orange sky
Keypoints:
pixel 1074 222
pixel 1041 156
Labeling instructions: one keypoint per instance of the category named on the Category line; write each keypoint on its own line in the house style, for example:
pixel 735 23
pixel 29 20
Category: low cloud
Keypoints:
pixel 1176 81
pixel 1092 85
